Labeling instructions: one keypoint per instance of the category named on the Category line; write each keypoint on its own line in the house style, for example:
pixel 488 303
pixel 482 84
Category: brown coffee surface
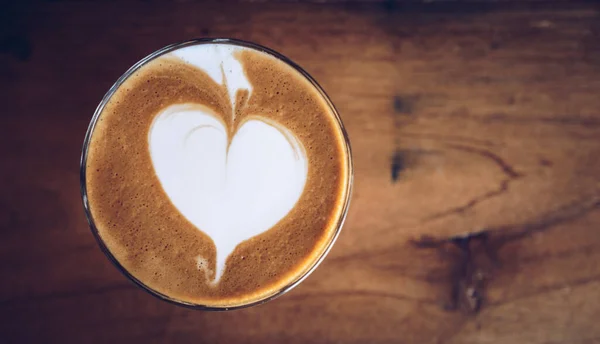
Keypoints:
pixel 148 235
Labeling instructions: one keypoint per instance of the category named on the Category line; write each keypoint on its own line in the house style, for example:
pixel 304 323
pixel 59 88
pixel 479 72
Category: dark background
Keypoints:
pixel 476 135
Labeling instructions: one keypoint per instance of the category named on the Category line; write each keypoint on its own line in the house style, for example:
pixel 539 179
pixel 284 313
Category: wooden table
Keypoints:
pixel 476 136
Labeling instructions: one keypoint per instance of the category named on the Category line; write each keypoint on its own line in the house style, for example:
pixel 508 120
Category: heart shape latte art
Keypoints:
pixel 230 188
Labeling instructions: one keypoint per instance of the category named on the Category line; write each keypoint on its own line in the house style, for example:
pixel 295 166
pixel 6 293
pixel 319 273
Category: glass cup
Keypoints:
pixel 113 89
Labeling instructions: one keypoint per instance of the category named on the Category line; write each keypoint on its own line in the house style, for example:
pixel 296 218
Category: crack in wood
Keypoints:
pixel 468 276
pixel 503 187
pixel 477 261
pixel 504 166
pixel 562 214
pixel 510 173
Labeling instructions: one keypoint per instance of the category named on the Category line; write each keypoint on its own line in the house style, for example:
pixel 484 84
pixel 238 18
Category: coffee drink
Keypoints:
pixel 216 173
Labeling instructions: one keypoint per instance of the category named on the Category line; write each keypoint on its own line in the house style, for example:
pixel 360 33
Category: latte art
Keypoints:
pixel 231 192
pixel 216 174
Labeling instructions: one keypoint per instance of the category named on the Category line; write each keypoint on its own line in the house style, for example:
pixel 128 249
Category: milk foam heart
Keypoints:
pixel 235 188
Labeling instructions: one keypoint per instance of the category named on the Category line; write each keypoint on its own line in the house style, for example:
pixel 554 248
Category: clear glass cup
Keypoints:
pixel 113 89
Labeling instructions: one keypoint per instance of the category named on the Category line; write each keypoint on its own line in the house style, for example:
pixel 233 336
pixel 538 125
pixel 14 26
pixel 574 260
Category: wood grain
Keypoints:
pixel 476 137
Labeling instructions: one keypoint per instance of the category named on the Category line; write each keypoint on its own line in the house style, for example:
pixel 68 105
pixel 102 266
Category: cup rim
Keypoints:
pixel 83 166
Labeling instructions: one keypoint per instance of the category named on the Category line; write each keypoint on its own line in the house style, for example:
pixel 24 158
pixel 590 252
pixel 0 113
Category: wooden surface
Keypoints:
pixel 476 136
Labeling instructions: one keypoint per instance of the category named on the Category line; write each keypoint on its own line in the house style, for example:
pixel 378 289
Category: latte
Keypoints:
pixel 216 173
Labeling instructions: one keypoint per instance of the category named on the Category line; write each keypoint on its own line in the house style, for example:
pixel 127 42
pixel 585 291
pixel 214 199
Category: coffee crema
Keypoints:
pixel 217 175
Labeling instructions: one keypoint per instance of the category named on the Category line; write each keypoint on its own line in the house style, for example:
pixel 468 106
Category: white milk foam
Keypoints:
pixel 230 193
